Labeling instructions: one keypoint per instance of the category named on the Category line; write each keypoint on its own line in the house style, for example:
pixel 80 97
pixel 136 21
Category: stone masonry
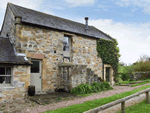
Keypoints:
pixel 71 76
pixel 46 45
pixel 36 40
pixel 20 82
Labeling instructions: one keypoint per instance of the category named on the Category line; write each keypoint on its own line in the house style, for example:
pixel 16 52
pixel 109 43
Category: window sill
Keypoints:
pixel 6 87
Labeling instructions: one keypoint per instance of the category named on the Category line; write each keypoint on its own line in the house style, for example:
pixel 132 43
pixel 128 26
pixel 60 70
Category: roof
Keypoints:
pixel 7 54
pixel 42 19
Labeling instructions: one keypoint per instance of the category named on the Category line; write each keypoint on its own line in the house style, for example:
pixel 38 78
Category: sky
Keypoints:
pixel 128 21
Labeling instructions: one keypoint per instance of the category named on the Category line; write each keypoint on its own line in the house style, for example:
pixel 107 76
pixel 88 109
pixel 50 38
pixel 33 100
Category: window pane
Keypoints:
pixel 2 79
pixel 2 70
pixel 8 71
pixel 5 79
pixel 66 44
pixel 35 67
pixel 8 79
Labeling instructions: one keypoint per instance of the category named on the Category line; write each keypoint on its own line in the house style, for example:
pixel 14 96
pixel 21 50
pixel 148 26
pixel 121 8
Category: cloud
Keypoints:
pixel 104 7
pixel 133 39
pixel 145 4
pixel 75 3
pixel 48 12
pixel 33 4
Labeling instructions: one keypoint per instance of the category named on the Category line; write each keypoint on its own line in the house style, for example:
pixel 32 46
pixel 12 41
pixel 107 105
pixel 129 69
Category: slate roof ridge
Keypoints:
pixel 15 12
pixel 34 17
pixel 12 5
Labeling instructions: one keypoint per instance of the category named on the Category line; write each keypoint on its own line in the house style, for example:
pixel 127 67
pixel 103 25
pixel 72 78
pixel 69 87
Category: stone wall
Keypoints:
pixel 140 75
pixel 72 75
pixel 19 86
pixel 84 52
pixel 49 43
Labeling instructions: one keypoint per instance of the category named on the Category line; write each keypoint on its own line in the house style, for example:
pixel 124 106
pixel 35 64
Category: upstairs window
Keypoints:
pixel 5 75
pixel 66 43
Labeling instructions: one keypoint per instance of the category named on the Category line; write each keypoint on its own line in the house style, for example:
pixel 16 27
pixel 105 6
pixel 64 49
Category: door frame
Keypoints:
pixel 41 67
pixel 111 76
pixel 108 72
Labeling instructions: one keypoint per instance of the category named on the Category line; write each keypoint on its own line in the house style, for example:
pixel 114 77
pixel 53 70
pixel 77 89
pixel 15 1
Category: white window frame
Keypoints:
pixel 7 75
pixel 68 52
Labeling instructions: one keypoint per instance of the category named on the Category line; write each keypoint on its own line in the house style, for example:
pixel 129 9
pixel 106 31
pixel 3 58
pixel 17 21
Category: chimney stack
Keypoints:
pixel 86 23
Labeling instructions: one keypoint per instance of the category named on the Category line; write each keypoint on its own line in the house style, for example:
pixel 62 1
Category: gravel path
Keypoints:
pixel 116 90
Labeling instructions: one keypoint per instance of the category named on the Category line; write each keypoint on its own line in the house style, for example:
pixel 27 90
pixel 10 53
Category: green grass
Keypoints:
pixel 144 82
pixel 139 84
pixel 1 109
pixel 126 82
pixel 79 108
pixel 141 107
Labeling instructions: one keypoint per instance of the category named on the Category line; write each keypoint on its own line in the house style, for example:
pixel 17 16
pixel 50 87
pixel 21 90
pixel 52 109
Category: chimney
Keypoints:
pixel 86 23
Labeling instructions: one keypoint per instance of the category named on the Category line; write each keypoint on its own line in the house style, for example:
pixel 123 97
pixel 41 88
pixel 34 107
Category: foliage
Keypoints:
pixel 109 53
pixel 86 88
pixel 125 76
pixel 144 58
pixel 80 108
pixel 82 89
pixel 142 66
pixel 125 72
pixel 122 64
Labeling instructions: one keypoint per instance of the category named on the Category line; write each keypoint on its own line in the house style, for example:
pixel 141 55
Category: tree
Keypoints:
pixel 122 64
pixel 144 58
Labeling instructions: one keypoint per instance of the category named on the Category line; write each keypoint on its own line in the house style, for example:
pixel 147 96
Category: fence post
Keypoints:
pixel 147 97
pixel 123 107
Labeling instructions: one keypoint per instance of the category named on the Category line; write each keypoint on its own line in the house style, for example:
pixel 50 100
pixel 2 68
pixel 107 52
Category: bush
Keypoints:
pixel 125 76
pixel 82 89
pixel 142 66
pixel 95 87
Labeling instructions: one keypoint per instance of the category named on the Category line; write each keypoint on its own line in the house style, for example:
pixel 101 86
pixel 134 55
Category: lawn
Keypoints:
pixel 141 107
pixel 137 84
pixel 79 108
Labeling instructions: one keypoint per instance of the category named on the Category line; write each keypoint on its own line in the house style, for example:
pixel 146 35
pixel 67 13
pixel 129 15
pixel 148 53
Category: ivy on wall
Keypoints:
pixel 109 53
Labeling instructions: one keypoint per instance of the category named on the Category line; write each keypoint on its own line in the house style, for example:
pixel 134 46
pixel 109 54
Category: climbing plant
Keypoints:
pixel 109 53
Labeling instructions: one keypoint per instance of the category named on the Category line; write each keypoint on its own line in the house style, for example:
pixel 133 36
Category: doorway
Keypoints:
pixel 36 75
pixel 108 74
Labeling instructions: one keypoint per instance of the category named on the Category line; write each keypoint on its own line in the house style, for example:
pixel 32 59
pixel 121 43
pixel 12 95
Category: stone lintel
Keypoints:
pixel 36 56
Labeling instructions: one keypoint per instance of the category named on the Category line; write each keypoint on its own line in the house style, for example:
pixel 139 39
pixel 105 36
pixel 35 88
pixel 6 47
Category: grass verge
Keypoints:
pixel 141 107
pixel 136 84
pixel 79 108
pixel 139 84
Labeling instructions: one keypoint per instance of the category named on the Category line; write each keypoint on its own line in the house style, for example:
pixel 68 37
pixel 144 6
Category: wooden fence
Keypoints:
pixel 122 101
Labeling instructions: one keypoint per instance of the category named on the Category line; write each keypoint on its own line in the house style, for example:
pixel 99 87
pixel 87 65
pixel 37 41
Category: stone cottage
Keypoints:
pixel 48 52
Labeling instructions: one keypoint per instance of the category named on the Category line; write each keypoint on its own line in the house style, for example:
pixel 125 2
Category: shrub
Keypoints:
pixel 125 76
pixel 142 66
pixel 82 89
pixel 95 87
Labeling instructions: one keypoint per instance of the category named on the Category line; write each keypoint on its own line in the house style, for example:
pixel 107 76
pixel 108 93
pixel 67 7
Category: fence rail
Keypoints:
pixel 122 101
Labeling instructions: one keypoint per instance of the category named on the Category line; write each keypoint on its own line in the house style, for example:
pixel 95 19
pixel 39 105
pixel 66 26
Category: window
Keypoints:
pixel 66 43
pixel 35 67
pixel 5 75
